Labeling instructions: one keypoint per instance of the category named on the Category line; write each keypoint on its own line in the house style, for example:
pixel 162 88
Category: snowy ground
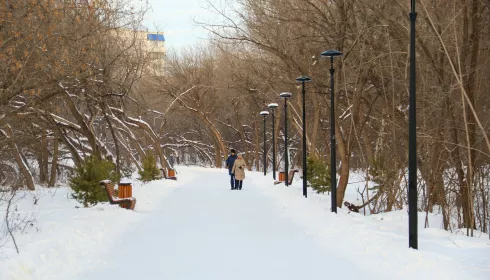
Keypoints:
pixel 197 228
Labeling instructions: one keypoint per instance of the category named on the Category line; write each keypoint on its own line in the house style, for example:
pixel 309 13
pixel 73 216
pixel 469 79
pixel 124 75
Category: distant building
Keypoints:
pixel 152 45
pixel 155 44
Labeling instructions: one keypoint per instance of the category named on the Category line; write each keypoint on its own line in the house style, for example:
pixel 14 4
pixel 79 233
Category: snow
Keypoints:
pixel 197 228
pixel 65 240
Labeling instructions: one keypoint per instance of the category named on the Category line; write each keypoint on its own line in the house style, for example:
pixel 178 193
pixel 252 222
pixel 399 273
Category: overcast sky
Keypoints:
pixel 175 18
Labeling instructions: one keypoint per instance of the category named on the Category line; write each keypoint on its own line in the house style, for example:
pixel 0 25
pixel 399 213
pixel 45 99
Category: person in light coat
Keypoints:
pixel 239 171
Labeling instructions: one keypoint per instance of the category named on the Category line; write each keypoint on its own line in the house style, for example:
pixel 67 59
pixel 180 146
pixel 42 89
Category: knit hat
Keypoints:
pixel 233 151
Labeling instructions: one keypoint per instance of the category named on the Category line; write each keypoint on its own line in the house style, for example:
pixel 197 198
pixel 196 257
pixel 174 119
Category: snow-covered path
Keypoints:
pixel 203 230
pixel 197 228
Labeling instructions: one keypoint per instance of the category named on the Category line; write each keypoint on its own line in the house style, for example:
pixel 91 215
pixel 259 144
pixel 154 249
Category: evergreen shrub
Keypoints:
pixel 149 171
pixel 85 182
pixel 318 174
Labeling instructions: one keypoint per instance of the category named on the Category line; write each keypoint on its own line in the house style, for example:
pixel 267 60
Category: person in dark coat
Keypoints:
pixel 230 161
pixel 172 160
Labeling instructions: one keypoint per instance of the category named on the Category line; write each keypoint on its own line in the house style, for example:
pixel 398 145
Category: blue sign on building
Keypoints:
pixel 155 37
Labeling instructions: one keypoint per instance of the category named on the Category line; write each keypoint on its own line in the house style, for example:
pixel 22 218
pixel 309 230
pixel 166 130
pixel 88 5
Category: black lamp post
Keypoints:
pixel 303 80
pixel 264 114
pixel 333 160
pixel 273 107
pixel 412 141
pixel 286 95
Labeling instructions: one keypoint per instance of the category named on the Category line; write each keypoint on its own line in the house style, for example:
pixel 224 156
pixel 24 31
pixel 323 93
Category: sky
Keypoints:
pixel 176 19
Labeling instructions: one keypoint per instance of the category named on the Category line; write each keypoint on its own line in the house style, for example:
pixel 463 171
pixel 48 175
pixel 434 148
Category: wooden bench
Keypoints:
pixel 127 203
pixel 171 174
pixel 290 177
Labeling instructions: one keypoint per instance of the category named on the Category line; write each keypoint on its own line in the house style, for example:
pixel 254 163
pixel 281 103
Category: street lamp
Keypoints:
pixel 286 95
pixel 303 80
pixel 412 141
pixel 264 114
pixel 333 160
pixel 273 107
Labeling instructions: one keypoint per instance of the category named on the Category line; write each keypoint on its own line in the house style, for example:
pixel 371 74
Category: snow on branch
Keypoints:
pixel 65 122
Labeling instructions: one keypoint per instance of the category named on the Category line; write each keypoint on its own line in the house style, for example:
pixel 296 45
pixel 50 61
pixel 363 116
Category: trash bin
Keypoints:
pixel 171 173
pixel 282 176
pixel 125 190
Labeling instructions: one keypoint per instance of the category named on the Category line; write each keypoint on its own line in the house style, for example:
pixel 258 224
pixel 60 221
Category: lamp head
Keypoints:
pixel 331 53
pixel 273 106
pixel 303 79
pixel 285 95
pixel 264 113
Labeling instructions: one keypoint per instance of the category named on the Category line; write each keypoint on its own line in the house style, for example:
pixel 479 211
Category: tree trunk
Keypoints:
pixel 116 144
pixel 130 153
pixel 277 125
pixel 54 163
pixel 217 154
pixel 316 126
pixel 440 194
pixel 219 143
pixel 43 163
pixel 471 47
pixel 19 157
pixel 344 167
pixel 22 166
pixel 85 128
pixel 153 138
pixel 257 145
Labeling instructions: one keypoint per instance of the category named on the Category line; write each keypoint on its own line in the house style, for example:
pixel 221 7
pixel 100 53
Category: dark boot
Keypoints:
pixel 233 182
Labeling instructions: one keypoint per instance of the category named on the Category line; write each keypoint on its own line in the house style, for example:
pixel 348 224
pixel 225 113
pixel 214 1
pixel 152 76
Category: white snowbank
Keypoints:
pixel 63 239
pixel 380 241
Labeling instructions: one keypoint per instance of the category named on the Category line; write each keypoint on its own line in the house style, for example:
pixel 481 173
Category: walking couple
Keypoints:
pixel 236 168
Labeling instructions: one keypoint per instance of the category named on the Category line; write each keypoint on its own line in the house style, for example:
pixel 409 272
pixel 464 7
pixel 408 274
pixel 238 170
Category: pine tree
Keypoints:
pixel 150 170
pixel 318 175
pixel 86 181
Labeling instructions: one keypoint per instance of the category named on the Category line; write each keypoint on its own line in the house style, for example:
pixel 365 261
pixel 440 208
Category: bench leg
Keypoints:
pixel 125 204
